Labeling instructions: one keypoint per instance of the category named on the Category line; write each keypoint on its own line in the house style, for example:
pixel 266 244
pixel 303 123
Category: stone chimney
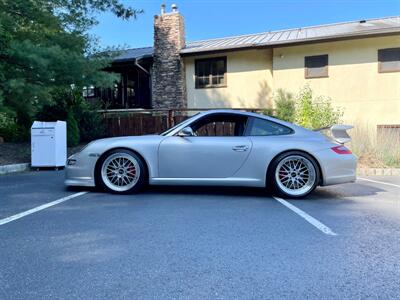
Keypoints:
pixel 168 77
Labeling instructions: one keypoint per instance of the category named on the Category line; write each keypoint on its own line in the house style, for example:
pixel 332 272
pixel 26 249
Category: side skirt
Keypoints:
pixel 208 181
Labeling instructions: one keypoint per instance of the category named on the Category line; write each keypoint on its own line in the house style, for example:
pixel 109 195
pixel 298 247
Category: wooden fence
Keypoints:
pixel 123 122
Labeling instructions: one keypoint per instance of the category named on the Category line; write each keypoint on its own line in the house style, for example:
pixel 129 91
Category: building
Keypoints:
pixel 356 63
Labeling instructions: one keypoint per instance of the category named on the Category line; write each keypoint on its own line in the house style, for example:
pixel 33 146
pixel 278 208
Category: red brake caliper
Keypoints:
pixel 131 169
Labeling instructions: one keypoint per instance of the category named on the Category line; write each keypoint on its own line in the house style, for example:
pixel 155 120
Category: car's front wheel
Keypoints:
pixel 121 171
pixel 294 174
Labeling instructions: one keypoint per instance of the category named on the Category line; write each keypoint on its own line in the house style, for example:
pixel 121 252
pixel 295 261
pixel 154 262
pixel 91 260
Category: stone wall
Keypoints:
pixel 168 74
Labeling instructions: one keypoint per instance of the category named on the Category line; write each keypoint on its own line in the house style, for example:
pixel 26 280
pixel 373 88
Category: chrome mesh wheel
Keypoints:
pixel 120 172
pixel 295 175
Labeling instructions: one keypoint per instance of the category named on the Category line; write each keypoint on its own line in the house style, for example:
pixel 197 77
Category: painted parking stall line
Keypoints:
pixel 380 182
pixel 317 224
pixel 39 208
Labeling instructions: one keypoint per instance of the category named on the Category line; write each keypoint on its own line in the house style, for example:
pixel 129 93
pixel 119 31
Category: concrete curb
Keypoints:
pixel 378 172
pixel 6 169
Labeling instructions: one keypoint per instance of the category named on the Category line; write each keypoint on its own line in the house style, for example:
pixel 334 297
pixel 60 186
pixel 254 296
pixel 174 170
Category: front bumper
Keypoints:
pixel 80 182
pixel 81 173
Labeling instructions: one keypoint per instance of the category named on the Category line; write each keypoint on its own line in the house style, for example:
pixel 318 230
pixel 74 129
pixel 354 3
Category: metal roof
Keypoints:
pixel 354 29
pixel 132 54
pixel 298 35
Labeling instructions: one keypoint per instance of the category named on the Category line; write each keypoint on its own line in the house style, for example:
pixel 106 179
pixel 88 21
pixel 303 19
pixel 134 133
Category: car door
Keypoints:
pixel 218 150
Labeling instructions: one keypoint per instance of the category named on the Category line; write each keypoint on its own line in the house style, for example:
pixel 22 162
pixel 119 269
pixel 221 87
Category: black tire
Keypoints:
pixel 105 184
pixel 278 187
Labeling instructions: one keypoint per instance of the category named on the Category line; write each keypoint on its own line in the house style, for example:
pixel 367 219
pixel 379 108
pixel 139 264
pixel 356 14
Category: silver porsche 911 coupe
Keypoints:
pixel 218 148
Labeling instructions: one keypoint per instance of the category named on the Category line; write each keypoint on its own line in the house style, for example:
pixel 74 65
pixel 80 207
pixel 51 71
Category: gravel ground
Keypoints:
pixel 12 153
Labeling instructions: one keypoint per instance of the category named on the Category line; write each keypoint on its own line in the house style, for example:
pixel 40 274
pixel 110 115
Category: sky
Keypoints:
pixel 205 19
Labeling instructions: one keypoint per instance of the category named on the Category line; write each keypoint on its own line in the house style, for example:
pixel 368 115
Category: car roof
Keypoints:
pixel 231 111
pixel 244 113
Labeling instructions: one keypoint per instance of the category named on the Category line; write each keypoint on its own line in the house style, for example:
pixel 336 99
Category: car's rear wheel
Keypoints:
pixel 121 171
pixel 294 174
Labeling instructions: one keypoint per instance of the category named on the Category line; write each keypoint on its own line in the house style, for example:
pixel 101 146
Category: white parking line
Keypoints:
pixel 381 182
pixel 39 208
pixel 325 229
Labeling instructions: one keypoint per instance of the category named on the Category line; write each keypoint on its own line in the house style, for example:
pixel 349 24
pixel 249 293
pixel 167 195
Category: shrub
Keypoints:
pixel 306 110
pixel 87 123
pixel 73 136
pixel 91 123
pixel 7 126
pixel 51 113
pixel 315 112
pixel 268 112
pixel 285 106
pixel 375 151
pixel 10 130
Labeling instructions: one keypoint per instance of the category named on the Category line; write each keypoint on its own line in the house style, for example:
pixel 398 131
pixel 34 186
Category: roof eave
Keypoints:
pixel 133 59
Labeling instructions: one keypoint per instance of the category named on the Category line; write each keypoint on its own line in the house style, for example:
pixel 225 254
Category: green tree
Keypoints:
pixel 45 47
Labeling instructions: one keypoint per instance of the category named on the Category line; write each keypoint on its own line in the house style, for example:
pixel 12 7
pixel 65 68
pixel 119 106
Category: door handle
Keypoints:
pixel 240 148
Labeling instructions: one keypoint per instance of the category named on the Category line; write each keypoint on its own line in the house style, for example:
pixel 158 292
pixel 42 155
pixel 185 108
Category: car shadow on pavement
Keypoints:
pixel 192 190
pixel 208 190
pixel 345 190
pixel 327 192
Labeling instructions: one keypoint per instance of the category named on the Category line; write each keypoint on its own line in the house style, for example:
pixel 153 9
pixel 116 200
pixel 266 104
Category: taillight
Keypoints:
pixel 341 150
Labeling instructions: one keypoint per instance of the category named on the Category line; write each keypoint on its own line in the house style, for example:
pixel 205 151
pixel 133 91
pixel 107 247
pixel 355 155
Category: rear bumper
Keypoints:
pixel 337 168
pixel 340 179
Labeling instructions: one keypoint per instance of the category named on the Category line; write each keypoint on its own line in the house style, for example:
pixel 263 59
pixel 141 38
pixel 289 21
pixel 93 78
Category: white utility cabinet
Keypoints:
pixel 49 144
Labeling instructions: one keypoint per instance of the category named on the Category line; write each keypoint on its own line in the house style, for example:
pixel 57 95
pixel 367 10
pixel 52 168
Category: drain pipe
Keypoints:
pixel 141 68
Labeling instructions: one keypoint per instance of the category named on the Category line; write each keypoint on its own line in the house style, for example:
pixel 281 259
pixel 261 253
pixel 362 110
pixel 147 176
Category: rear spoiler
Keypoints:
pixel 338 132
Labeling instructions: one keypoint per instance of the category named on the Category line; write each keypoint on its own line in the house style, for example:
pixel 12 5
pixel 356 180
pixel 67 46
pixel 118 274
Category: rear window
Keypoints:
pixel 261 127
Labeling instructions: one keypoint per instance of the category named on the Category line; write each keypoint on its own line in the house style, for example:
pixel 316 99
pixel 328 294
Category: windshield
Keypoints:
pixel 179 124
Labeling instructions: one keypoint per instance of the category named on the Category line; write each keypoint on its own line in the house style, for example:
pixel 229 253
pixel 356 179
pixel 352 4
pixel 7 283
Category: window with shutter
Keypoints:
pixel 389 60
pixel 316 66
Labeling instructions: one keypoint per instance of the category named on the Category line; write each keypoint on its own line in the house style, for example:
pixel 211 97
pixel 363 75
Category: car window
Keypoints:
pixel 261 127
pixel 179 124
pixel 220 125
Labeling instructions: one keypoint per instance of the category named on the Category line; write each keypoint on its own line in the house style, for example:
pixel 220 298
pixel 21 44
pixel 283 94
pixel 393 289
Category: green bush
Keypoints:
pixel 10 130
pixel 315 112
pixel 87 123
pixel 268 112
pixel 91 123
pixel 53 112
pixel 7 126
pixel 285 106
pixel 306 110
pixel 73 135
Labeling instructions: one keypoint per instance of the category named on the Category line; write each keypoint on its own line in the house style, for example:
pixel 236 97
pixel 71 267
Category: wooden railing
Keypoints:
pixel 123 122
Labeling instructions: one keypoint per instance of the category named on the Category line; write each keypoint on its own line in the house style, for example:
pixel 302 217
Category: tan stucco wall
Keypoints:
pixel 249 82
pixel 353 83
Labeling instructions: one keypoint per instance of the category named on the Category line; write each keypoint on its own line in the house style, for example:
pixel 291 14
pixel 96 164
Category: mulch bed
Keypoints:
pixel 17 153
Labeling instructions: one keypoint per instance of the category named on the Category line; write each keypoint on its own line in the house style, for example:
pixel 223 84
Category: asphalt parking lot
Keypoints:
pixel 197 243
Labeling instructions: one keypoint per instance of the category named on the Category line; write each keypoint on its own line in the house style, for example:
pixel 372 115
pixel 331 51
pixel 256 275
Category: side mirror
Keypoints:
pixel 187 131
